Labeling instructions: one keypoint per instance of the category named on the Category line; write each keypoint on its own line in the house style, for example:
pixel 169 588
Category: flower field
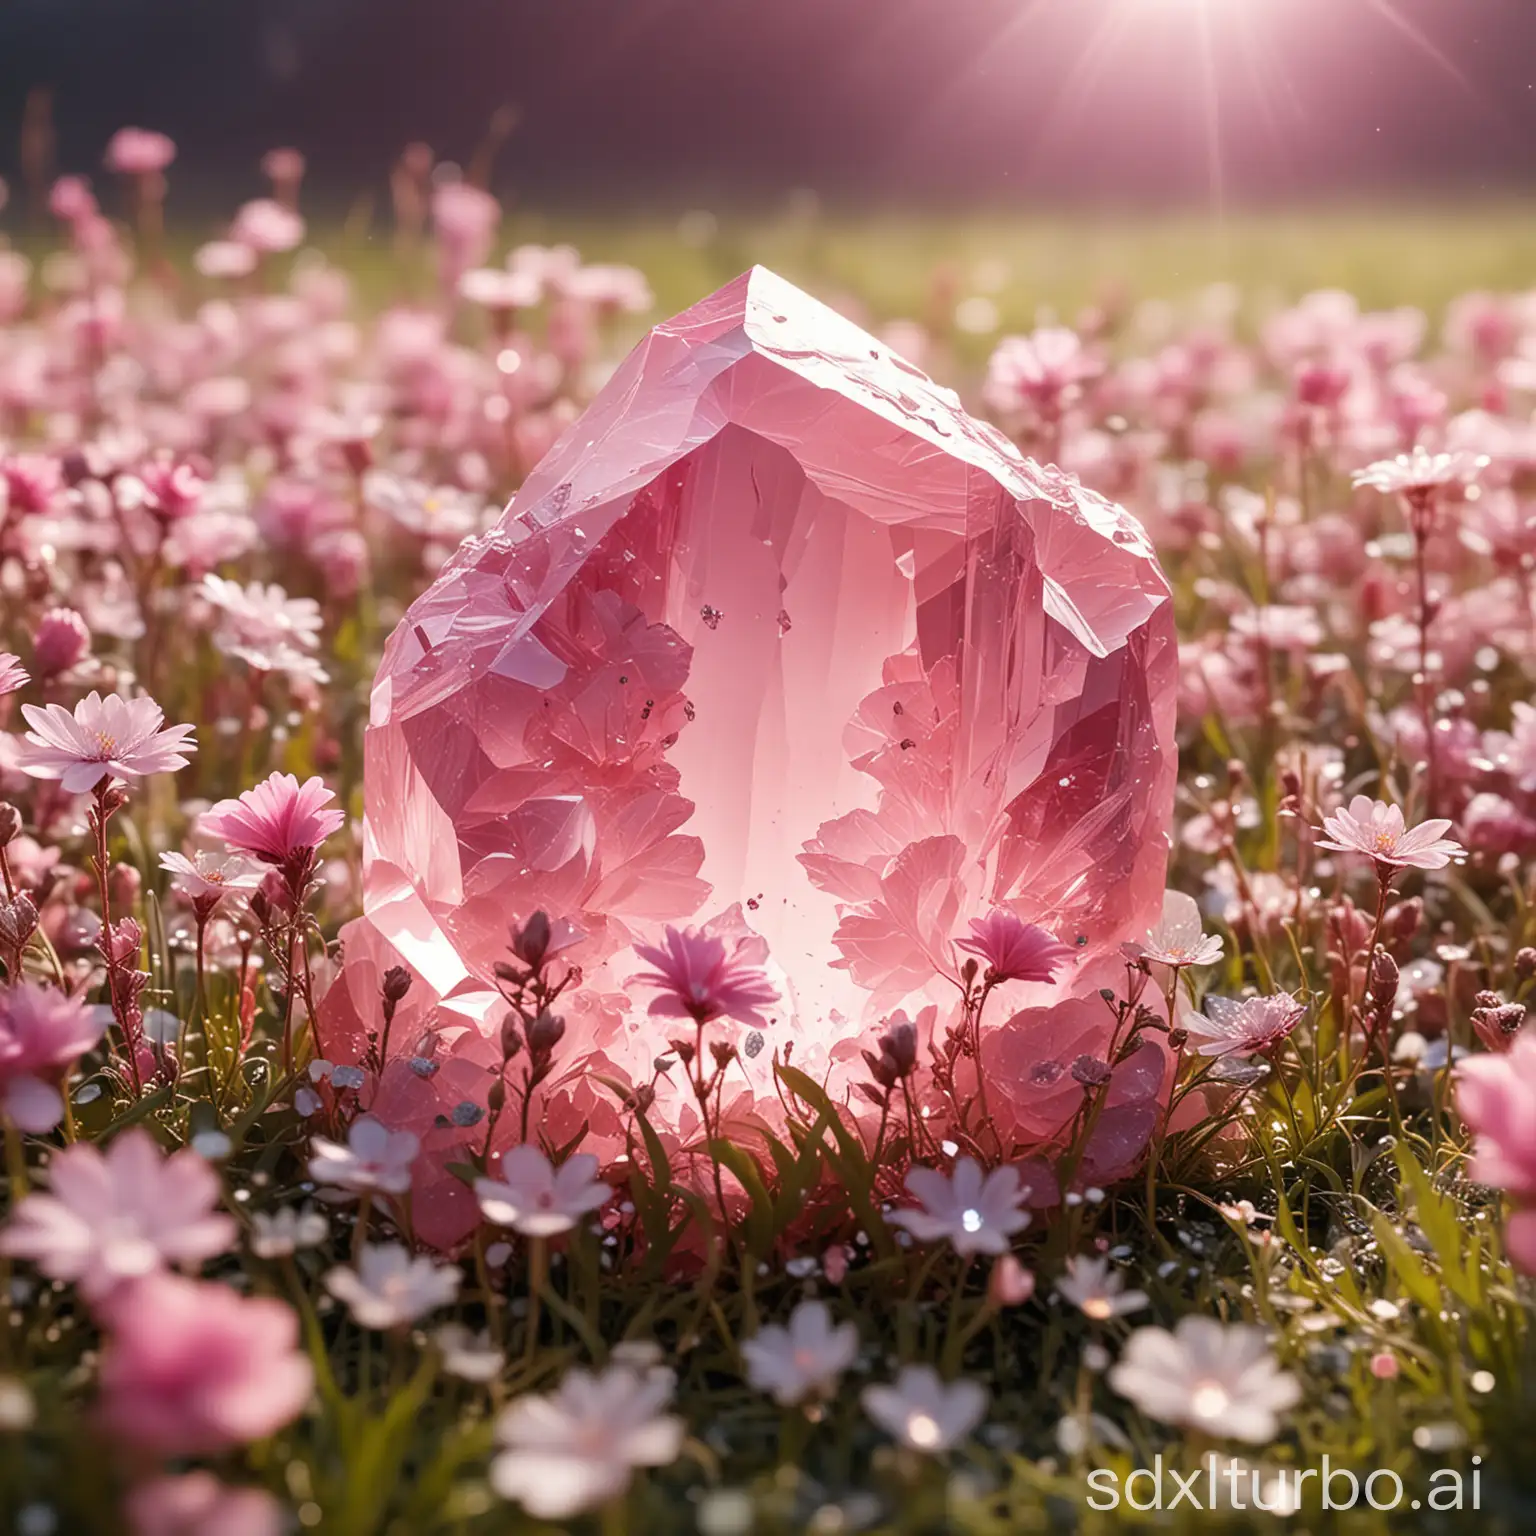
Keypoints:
pixel 1251 1219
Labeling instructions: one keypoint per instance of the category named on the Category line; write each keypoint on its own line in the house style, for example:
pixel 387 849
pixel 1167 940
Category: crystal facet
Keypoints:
pixel 778 637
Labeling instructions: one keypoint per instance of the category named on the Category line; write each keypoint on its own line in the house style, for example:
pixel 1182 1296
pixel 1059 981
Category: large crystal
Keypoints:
pixel 777 636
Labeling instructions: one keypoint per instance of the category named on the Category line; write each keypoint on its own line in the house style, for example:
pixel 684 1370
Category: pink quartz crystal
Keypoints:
pixel 776 636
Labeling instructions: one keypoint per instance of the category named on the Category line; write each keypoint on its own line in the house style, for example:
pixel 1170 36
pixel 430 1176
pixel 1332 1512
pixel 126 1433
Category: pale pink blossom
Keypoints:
pixel 33 483
pixel 803 1360
pixel 116 1216
pixel 225 260
pixel 538 1200
pixel 139 152
pixel 1417 474
pixel 974 1211
pixel 262 625
pixel 205 879
pixel 1496 1094
pixel 1220 1379
pixel 276 820
pixel 1013 949
pixel 12 674
pixel 1377 830
pixel 389 1288
pixel 699 977
pixel 111 738
pixel 1178 938
pixel 373 1158
pixel 193 1369
pixel 198 1504
pixel 1245 1026
pixel 578 1447
pixel 1045 371
pixel 43 1032
pixel 267 227
pixel 923 1412
pixel 1098 1291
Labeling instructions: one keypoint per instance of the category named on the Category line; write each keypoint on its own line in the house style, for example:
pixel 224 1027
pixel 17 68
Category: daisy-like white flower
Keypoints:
pixel 1217 1378
pixel 1417 473
pixel 578 1447
pixel 285 1231
pixel 698 977
pixel 116 1216
pixel 262 625
pixel 374 1158
pixel 110 738
pixel 12 674
pixel 1013 949
pixel 205 879
pixel 469 1356
pixel 1098 1291
pixel 923 1412
pixel 1377 830
pixel 1178 938
pixel 1243 1026
pixel 803 1360
pixel 389 1288
pixel 539 1200
pixel 976 1212
pixel 276 820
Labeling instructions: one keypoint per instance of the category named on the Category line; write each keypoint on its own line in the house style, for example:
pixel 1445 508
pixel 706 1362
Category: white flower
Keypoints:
pixel 577 1447
pixel 373 1158
pixel 538 1200
pixel 1208 1376
pixel 803 1360
pixel 389 1288
pixel 1178 938
pixel 206 877
pixel 1416 473
pixel 924 1413
pixel 1097 1291
pixel 976 1212
pixel 286 1230
pixel 469 1356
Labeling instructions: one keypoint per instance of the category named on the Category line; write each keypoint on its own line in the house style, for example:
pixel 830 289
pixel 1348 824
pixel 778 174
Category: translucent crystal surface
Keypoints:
pixel 776 636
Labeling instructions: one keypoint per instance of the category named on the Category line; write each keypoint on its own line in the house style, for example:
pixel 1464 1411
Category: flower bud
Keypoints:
pixel 1406 919
pixel 544 1034
pixel 511 1037
pixel 1497 1025
pixel 60 641
pixel 10 823
pixel 1009 1284
pixel 530 943
pixel 1525 963
pixel 397 982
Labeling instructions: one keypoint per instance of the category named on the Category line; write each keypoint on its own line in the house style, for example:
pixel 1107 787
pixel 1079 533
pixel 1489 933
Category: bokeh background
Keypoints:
pixel 865 146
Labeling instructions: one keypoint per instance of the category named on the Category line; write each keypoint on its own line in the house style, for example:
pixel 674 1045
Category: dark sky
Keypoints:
pixel 672 100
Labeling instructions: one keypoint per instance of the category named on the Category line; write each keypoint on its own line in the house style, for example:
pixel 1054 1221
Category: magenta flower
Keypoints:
pixel 1013 949
pixel 276 820
pixel 198 1504
pixel 33 482
pixel 105 738
pixel 118 1216
pixel 61 640
pixel 43 1032
pixel 12 674
pixel 1377 830
pixel 698 978
pixel 193 1369
pixel 1245 1026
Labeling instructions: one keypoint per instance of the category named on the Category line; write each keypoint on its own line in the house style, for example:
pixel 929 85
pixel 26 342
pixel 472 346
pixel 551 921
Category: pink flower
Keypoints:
pixel 12 674
pixel 538 1200
pixel 206 879
pixel 1377 830
pixel 1496 1095
pixel 71 200
pixel 198 1504
pixel 1046 370
pixel 276 820
pixel 43 1033
pixel 103 738
pixel 61 640
pixel 32 482
pixel 261 624
pixel 1013 949
pixel 139 152
pixel 267 227
pixel 698 978
pixel 284 166
pixel 1178 938
pixel 1243 1026
pixel 192 1369
pixel 118 1216
pixel 1417 473
pixel 374 1157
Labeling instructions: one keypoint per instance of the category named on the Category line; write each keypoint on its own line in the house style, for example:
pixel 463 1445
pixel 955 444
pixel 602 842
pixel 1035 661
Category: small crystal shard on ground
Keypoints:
pixel 602 709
